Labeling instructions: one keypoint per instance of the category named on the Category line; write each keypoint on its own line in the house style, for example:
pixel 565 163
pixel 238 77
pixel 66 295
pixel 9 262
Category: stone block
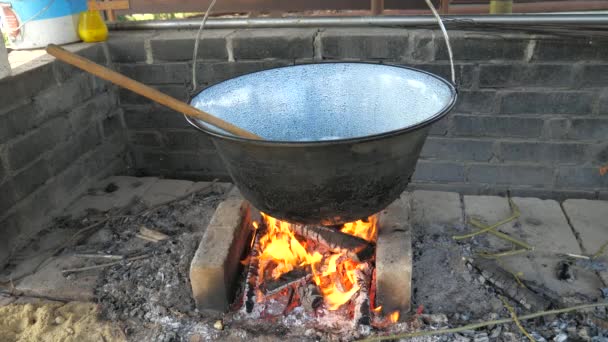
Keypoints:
pixel 165 73
pixel 29 147
pixel 216 263
pixel 464 72
pixel 547 103
pixel 431 171
pixel 17 121
pixel 569 49
pixel 9 196
pixel 64 71
pixel 457 149
pixel 542 225
pixel 534 151
pixel 482 47
pixel 270 43
pixel 95 109
pixel 476 102
pixel 508 174
pixel 146 138
pixel 394 258
pixel 153 117
pixel 588 218
pixel 205 163
pixel 113 123
pixel 441 127
pixel 527 75
pixel 435 211
pixel 30 178
pixel 368 43
pixel 603 105
pixel 212 73
pixel 496 126
pixel 189 140
pixel 588 129
pixel 67 153
pixel 127 49
pixel 63 98
pixel 593 76
pixel 178 45
pixel 580 177
pixel 556 128
pixel 25 84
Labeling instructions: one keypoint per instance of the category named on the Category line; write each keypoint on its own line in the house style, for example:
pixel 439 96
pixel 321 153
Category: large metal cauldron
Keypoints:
pixel 342 139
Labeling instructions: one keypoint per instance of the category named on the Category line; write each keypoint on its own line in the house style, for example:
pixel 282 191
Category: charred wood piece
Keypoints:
pixel 252 272
pixel 362 314
pixel 504 282
pixel 335 240
pixel 310 297
pixel 293 277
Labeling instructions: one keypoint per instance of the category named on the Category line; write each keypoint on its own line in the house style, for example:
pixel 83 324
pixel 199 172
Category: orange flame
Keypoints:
pixel 394 317
pixel 334 274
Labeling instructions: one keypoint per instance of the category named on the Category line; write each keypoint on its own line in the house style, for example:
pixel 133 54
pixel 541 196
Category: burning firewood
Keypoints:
pixel 336 241
pixel 362 314
pixel 291 278
pixel 310 297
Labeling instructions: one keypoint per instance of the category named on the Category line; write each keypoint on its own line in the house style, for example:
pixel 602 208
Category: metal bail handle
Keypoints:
pixel 446 37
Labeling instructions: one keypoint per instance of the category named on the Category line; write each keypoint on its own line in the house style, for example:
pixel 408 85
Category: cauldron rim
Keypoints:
pixel 286 143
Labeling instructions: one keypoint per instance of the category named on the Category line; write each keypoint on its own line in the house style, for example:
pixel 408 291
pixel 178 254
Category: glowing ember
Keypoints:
pixel 394 317
pixel 333 273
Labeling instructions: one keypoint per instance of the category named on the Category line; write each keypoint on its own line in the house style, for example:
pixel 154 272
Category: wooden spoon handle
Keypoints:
pixel 143 90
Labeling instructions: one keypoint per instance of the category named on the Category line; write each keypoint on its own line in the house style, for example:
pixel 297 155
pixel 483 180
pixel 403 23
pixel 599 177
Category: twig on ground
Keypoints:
pixel 515 213
pixel 87 268
pixel 516 319
pixel 502 254
pixel 501 235
pixel 484 324
pixel 100 256
pixel 600 251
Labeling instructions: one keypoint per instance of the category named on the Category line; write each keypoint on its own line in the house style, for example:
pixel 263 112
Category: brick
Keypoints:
pixel 216 262
pixel 464 72
pixel 127 50
pixel 594 76
pixel 2 172
pixel 476 47
pixel 146 138
pixel 113 124
pixel 166 73
pixel 64 71
pixel 92 110
pixel 270 43
pixel 491 126
pixel 438 172
pixel 507 174
pixel 528 75
pixel 422 45
pixel 539 152
pixel 599 154
pixel 178 45
pixel 65 154
pixel 569 49
pixel 17 121
pixel 457 149
pixel 212 73
pixel 368 43
pixel 580 177
pixel 556 128
pixel 152 117
pixel 25 84
pixel 394 258
pixel 28 180
pixel 63 98
pixel 441 127
pixel 188 140
pixel 603 105
pixel 202 162
pixel 30 146
pixel 180 92
pixel 9 197
pixel 588 129
pixel 547 103
pixel 476 102
pixel 436 211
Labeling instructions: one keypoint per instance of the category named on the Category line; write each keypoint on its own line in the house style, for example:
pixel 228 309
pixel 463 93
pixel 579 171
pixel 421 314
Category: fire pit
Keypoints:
pixel 336 278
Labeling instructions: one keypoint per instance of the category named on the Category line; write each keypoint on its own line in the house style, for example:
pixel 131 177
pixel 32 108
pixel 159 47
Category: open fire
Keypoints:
pixel 324 271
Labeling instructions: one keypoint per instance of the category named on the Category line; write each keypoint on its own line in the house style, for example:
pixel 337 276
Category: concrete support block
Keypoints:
pixel 376 43
pixel 216 263
pixel 434 211
pixel 270 43
pixel 5 67
pixel 394 258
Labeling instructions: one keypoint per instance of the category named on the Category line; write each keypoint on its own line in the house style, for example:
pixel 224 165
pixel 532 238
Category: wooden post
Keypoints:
pixel 444 6
pixel 377 7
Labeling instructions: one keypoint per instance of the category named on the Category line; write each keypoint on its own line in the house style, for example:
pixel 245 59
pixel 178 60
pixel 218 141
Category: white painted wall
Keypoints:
pixel 5 67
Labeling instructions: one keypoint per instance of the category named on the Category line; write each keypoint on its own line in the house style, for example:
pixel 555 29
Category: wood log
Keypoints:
pixel 294 277
pixel 251 280
pixel 310 297
pixel 336 241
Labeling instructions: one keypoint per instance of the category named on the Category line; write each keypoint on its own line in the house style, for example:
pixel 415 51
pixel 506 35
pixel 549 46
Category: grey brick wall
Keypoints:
pixel 531 118
pixel 60 131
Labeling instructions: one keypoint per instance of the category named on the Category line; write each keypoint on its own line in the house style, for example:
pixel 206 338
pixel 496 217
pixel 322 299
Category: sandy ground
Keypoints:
pixel 52 321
